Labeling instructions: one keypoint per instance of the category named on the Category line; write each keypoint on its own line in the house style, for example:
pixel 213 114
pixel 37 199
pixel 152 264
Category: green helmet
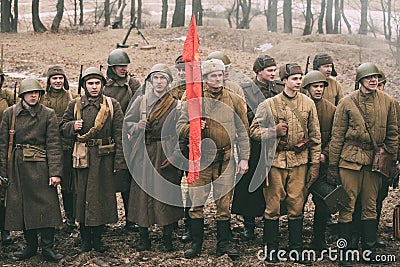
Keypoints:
pixel 313 76
pixel 221 56
pixel 382 79
pixel 367 69
pixel 118 57
pixel 29 85
pixel 92 72
pixel 161 68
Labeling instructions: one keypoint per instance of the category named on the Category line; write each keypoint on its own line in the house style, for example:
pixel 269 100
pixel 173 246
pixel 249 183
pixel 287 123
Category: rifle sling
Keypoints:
pixel 297 114
pixel 11 140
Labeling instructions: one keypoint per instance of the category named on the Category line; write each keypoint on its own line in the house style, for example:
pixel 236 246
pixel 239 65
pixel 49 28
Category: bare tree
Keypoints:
pixel 178 18
pixel 107 20
pixel 364 13
pixel 386 24
pixel 139 14
pixel 197 11
pixel 328 17
pixel 243 8
pixel 36 22
pixel 287 16
pixel 337 17
pixel 81 13
pixel 321 17
pixel 348 25
pixel 133 10
pixel 14 20
pixel 230 12
pixel 57 19
pixel 272 15
pixel 6 16
pixel 164 13
pixel 309 19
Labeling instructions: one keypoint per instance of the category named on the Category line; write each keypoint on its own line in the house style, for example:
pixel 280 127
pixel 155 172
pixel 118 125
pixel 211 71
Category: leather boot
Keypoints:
pixel 31 245
pixel 187 234
pixel 97 242
pixel 368 241
pixel 223 238
pixel 47 244
pixel 144 240
pixel 271 239
pixel 197 227
pixel 86 237
pixel 68 199
pixel 379 242
pixel 249 225
pixel 5 237
pixel 319 227
pixel 296 240
pixel 345 234
pixel 167 237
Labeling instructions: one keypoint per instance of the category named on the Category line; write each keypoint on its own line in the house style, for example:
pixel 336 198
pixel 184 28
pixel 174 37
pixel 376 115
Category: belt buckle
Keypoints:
pixel 91 142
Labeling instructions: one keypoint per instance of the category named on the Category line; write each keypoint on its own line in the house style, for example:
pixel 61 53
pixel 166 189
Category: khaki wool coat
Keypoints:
pixel 31 202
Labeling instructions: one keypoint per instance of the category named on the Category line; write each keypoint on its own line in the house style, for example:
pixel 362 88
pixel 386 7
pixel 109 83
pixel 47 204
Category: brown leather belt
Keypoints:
pixel 219 150
pixel 99 142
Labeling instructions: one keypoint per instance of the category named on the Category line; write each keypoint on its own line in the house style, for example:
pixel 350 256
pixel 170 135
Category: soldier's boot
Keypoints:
pixel 97 241
pixel 197 227
pixel 68 208
pixel 31 245
pixel 296 240
pixel 248 230
pixel 47 244
pixel 187 234
pixel 368 242
pixel 144 240
pixel 86 239
pixel 223 240
pixel 6 237
pixel 379 242
pixel 167 237
pixel 345 230
pixel 319 229
pixel 130 226
pixel 271 239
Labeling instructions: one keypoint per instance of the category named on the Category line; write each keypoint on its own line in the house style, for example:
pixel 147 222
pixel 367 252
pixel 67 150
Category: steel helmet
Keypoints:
pixel 29 85
pixel 212 65
pixel 92 72
pixel 313 76
pixel 221 56
pixel 161 68
pixel 382 79
pixel 367 69
pixel 118 57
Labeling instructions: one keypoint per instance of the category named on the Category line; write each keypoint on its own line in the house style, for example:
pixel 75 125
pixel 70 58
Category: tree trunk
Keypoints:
pixel 328 17
pixel 230 12
pixel 178 19
pixel 133 10
pixel 321 18
pixel 198 11
pixel 139 14
pixel 14 20
pixel 348 25
pixel 107 20
pixel 36 22
pixel 6 16
pixel 337 18
pixel 389 25
pixel 364 17
pixel 57 19
pixel 164 13
pixel 245 6
pixel 272 15
pixel 80 12
pixel 309 18
pixel 287 16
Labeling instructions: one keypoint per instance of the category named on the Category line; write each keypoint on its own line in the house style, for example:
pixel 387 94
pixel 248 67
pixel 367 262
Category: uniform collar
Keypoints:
pixel 95 102
pixel 33 111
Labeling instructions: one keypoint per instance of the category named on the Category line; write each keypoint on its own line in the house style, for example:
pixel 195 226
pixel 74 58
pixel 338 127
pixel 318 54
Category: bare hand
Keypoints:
pixel 144 125
pixel 322 158
pixel 165 164
pixel 203 124
pixel 78 125
pixel 243 166
pixel 281 129
pixel 54 181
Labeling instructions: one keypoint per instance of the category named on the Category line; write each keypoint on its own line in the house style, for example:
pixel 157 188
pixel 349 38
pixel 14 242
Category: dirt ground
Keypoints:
pixel 30 54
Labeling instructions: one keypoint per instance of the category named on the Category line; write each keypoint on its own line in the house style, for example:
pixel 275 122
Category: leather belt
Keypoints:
pixel 23 146
pixel 364 146
pixel 99 142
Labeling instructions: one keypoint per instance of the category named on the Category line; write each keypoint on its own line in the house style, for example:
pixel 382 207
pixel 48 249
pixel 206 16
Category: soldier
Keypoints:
pixel 34 171
pixel 178 87
pixel 6 100
pixel 324 63
pixel 57 97
pixel 315 82
pixel 224 116
pixel 121 85
pixel 351 152
pixel 297 130
pixel 264 85
pixel 146 205
pixel 94 122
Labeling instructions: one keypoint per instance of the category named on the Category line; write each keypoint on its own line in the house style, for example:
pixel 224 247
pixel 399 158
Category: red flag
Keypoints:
pixel 191 57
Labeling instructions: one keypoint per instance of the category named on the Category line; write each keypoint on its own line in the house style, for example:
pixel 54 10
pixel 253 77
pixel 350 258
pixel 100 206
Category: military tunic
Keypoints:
pixel 333 92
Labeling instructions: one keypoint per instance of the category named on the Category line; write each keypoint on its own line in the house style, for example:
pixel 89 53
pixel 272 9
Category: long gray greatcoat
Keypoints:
pixel 31 202
pixel 95 194
pixel 145 209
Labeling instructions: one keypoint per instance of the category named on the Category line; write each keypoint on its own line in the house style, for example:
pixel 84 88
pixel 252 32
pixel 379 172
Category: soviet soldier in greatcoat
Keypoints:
pixel 224 119
pixel 245 203
pixel 6 100
pixel 178 86
pixel 315 82
pixel 57 97
pixel 299 144
pixel 351 152
pixel 34 172
pixel 324 63
pixel 94 122
pixel 121 85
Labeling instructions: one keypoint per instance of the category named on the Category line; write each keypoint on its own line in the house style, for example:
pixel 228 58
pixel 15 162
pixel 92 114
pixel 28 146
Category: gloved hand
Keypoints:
pixel 314 174
pixel 333 176
pixel 281 129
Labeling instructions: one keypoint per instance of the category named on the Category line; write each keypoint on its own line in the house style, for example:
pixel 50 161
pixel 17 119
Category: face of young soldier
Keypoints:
pixel 93 86
pixel 381 86
pixel 267 74
pixel 31 98
pixel 326 70
pixel 159 82
pixel 215 79
pixel 227 72
pixel 316 90
pixel 293 83
pixel 57 82
pixel 369 84
pixel 121 71
pixel 181 71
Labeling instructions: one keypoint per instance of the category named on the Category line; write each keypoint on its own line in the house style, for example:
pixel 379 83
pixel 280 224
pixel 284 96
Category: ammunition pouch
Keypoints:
pixel 382 162
pixel 80 156
pixel 105 150
pixel 32 153
pixel 303 145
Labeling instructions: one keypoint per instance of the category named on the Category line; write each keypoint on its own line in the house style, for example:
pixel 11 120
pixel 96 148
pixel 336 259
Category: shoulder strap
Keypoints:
pixel 70 95
pixel 278 110
pixel 77 108
pixel 297 114
pixel 365 121
pixel 110 106
pixel 143 107
pixel 11 139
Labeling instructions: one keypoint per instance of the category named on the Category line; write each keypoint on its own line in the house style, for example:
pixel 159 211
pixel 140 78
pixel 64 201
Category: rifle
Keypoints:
pixel 79 82
pixel 15 92
pixel 307 64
